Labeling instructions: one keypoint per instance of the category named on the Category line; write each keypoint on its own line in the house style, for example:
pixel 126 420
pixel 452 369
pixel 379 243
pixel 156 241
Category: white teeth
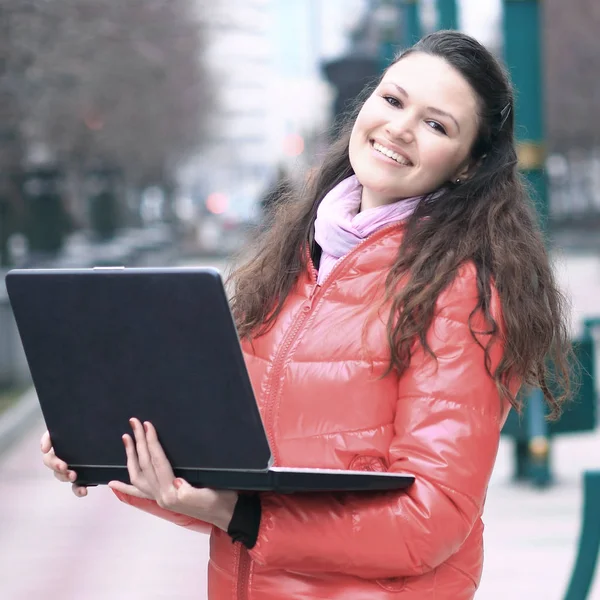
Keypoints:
pixel 391 154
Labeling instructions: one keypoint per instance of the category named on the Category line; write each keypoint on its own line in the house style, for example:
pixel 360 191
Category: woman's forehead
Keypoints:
pixel 431 79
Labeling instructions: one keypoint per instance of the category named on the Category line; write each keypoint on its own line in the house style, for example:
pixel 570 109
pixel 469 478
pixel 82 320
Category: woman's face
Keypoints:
pixel 414 133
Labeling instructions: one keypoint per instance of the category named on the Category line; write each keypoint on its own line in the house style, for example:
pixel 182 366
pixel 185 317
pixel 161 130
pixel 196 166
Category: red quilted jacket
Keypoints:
pixel 317 384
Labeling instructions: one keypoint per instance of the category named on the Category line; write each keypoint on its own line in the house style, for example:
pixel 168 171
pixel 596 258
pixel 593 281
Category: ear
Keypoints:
pixel 467 169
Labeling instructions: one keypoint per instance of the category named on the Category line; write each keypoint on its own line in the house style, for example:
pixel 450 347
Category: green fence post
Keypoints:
pixel 523 56
pixel 447 12
pixel 589 540
pixel 392 32
pixel 412 22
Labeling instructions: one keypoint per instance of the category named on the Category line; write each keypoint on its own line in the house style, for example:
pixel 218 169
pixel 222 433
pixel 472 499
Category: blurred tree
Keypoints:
pixel 280 189
pixel 15 61
pixel 349 75
pixel 94 84
pixel 124 84
pixel 572 66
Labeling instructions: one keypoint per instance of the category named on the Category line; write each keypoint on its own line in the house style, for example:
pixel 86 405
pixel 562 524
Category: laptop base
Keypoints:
pixel 282 480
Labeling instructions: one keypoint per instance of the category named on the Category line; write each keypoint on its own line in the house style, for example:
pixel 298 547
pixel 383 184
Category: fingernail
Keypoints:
pixel 146 428
pixel 177 483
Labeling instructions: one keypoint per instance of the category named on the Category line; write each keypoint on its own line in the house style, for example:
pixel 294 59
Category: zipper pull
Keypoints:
pixel 309 303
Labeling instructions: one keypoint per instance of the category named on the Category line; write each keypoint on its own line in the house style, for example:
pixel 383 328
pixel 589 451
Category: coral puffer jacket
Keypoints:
pixel 324 405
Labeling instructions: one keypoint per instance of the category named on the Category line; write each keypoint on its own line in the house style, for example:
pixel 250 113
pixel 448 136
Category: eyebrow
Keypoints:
pixel 432 109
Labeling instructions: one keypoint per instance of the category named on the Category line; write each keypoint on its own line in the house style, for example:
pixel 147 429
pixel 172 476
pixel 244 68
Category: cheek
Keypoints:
pixel 359 135
pixel 366 119
pixel 439 158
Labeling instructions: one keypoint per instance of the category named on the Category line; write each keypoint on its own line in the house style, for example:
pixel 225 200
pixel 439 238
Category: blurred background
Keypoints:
pixel 158 132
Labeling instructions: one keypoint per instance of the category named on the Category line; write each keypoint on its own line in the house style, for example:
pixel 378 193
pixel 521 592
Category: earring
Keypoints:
pixel 457 181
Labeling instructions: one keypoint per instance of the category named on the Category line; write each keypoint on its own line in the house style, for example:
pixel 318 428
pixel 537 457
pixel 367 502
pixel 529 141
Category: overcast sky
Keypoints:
pixel 479 16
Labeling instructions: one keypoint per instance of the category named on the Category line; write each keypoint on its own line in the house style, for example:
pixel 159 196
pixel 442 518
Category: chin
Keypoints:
pixel 378 187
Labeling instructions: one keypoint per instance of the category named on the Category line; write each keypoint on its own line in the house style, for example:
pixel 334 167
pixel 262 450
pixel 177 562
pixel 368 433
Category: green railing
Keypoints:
pixel 533 435
pixel 589 540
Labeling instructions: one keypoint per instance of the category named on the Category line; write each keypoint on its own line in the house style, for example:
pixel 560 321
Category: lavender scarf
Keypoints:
pixel 339 226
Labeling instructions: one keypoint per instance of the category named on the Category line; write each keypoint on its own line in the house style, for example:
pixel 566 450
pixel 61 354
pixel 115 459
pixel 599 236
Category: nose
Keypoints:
pixel 401 127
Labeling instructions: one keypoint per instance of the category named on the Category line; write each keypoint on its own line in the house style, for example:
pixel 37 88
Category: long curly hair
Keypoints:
pixel 488 220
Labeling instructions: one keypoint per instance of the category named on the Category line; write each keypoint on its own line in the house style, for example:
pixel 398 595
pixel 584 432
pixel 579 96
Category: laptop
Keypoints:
pixel 105 344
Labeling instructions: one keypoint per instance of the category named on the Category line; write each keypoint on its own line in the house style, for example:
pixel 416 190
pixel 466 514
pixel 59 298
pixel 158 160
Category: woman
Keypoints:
pixel 388 318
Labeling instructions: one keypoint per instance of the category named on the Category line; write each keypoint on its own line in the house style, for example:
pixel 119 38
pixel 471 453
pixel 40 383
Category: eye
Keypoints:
pixel 393 101
pixel 437 127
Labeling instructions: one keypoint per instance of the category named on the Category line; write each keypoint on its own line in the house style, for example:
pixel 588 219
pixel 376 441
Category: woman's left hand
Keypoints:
pixel 152 477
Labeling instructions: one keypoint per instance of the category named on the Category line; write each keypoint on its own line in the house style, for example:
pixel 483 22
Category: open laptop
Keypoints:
pixel 159 344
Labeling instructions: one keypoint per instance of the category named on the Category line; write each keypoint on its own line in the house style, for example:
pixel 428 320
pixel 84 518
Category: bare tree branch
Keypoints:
pixel 106 82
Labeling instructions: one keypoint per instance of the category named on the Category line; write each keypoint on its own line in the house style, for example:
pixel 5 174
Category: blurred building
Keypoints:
pixel 272 103
pixel 236 153
pixel 572 72
pixel 572 93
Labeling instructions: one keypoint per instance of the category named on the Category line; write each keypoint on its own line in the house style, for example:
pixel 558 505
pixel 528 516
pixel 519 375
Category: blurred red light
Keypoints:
pixel 293 145
pixel 93 122
pixel 217 203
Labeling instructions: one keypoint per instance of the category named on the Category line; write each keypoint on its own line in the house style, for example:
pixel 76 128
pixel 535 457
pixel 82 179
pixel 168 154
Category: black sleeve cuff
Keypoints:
pixel 245 522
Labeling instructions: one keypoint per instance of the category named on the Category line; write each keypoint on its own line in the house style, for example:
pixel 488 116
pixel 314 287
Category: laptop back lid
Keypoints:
pixel 104 345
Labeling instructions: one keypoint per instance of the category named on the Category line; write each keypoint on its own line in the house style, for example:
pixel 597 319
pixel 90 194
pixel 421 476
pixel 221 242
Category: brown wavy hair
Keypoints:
pixel 487 220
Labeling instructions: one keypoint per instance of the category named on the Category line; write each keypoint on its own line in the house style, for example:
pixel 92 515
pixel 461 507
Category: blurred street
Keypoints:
pixel 155 133
pixel 59 547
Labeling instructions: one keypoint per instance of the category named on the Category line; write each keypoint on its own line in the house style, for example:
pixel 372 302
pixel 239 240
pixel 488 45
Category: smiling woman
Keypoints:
pixel 388 316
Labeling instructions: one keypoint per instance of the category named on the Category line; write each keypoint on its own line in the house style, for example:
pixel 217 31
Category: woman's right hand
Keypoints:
pixel 60 467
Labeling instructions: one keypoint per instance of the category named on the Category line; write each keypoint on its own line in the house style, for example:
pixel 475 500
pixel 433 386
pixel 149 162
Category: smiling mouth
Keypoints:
pixel 391 154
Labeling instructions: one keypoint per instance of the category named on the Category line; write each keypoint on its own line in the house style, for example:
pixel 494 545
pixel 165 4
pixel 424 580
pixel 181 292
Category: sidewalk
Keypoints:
pixel 531 536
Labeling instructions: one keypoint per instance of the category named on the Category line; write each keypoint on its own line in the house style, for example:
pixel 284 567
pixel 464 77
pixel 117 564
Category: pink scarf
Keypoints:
pixel 339 226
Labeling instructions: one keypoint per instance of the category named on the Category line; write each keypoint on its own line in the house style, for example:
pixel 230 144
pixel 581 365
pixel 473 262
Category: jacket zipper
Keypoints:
pixel 244 562
pixel 278 367
pixel 311 264
pixel 301 320
pixel 243 574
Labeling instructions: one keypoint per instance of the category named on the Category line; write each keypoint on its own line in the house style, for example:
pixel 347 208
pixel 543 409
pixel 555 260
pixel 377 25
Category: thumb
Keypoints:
pixel 46 443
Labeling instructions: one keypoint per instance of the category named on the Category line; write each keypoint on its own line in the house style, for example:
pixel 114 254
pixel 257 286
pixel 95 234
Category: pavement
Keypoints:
pixel 59 547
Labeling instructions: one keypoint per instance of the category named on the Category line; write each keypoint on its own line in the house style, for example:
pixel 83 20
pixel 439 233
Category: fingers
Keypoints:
pixel 79 490
pixel 59 467
pixel 50 459
pixel 133 465
pixel 53 462
pixel 162 466
pixel 65 476
pixel 46 443
pixel 130 490
pixel 149 469
pixel 141 445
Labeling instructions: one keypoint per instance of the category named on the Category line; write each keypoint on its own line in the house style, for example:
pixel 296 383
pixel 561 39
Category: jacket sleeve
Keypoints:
pixel 150 506
pixel 447 427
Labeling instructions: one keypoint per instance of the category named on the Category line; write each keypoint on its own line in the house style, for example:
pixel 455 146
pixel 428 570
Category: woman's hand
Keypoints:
pixel 152 477
pixel 59 467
